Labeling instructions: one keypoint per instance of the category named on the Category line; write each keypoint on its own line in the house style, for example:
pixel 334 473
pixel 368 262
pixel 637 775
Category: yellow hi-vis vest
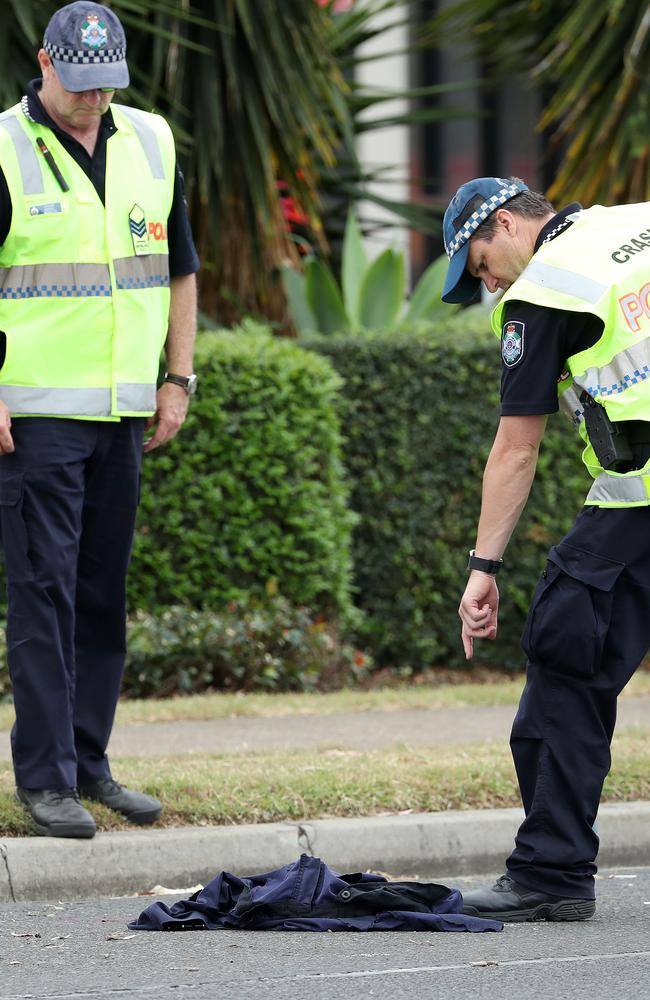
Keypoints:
pixel 600 265
pixel 84 288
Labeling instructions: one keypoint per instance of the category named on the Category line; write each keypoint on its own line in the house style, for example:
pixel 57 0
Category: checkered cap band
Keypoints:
pixel 478 217
pixel 84 56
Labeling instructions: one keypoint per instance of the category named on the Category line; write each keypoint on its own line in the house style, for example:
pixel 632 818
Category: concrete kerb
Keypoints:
pixel 429 845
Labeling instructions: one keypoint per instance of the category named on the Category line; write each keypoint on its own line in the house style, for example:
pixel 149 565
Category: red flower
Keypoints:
pixel 293 214
pixel 339 5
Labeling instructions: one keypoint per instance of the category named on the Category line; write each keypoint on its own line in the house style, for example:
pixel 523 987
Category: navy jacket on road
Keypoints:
pixel 308 896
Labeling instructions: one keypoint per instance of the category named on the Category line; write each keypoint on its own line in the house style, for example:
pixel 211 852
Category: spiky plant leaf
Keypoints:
pixel 425 302
pixel 324 299
pixel 382 291
pixel 354 263
pixel 295 288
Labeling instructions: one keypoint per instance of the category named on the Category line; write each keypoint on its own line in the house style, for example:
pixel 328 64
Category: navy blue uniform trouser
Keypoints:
pixel 68 501
pixel 587 631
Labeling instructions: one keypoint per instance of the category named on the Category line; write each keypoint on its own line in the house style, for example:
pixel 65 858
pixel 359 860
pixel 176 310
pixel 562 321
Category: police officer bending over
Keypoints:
pixel 574 323
pixel 97 271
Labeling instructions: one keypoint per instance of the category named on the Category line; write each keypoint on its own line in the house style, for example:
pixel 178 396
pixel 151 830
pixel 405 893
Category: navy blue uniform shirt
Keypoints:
pixel 549 337
pixel 183 258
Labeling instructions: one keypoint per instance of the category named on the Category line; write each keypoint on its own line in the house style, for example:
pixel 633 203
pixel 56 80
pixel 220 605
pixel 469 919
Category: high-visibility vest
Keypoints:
pixel 84 288
pixel 600 265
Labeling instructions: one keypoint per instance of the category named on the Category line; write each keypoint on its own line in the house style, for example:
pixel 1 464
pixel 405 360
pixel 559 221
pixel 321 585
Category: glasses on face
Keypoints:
pixel 91 90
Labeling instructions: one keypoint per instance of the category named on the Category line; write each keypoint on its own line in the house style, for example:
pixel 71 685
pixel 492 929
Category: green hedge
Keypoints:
pixel 252 646
pixel 249 499
pixel 420 413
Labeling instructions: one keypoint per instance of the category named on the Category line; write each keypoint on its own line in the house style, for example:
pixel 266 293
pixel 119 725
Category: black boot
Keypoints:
pixel 56 812
pixel 509 901
pixel 135 806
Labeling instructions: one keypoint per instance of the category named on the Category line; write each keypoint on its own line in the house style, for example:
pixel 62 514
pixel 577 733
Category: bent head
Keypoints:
pixel 490 228
pixel 74 109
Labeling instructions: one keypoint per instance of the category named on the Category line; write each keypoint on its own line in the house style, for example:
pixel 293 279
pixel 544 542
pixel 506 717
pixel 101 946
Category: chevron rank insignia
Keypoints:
pixel 139 231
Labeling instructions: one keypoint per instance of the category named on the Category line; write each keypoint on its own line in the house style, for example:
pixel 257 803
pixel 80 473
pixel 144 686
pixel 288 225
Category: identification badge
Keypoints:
pixel 139 231
pixel 49 209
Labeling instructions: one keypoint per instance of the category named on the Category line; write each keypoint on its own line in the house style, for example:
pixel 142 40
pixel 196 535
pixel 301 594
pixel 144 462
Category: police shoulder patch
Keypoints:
pixel 512 342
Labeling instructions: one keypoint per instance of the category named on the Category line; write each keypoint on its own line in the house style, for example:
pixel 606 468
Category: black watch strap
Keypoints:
pixel 485 565
pixel 186 382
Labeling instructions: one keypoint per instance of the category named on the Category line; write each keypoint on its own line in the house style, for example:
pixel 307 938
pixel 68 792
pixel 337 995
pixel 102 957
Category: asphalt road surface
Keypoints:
pixel 84 950
pixel 352 730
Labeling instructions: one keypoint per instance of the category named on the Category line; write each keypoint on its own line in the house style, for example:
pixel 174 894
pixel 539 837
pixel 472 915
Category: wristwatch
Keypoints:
pixel 186 382
pixel 485 565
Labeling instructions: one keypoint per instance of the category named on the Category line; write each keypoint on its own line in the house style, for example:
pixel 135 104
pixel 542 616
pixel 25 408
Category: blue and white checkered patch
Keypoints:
pixel 478 217
pixel 83 56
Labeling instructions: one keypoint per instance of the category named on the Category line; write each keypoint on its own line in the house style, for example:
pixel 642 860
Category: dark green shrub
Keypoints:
pixel 249 499
pixel 272 646
pixel 420 412
pixel 269 646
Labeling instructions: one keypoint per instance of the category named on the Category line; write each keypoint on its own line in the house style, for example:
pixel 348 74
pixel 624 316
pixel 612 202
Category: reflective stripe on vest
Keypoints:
pixel 30 168
pixel 28 281
pixel 622 490
pixel 627 368
pixel 570 404
pixel 148 140
pixel 558 279
pixel 142 272
pixel 35 400
pixel 56 402
pixel 135 396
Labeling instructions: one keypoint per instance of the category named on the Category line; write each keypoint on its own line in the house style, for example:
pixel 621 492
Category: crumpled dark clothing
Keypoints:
pixel 308 896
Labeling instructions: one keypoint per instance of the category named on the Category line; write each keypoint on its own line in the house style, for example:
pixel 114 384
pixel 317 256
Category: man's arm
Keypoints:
pixel 172 400
pixel 6 440
pixel 507 479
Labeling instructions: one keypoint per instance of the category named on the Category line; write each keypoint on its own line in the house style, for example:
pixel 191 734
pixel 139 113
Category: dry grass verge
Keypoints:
pixel 296 785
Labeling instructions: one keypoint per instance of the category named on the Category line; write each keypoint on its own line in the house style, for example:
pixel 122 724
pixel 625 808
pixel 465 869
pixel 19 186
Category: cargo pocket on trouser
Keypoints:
pixel 15 541
pixel 571 610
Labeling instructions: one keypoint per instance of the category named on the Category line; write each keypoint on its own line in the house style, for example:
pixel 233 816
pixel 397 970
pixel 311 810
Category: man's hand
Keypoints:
pixel 171 409
pixel 478 610
pixel 6 440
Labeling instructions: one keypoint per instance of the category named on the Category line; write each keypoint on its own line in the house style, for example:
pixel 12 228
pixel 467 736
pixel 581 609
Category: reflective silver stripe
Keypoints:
pixel 612 489
pixel 29 281
pixel 151 271
pixel 136 397
pixel 26 154
pixel 627 368
pixel 57 402
pixel 570 404
pixel 558 279
pixel 148 140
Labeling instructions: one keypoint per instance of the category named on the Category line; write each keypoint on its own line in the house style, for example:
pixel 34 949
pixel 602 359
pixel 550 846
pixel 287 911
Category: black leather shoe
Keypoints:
pixel 56 812
pixel 135 806
pixel 509 901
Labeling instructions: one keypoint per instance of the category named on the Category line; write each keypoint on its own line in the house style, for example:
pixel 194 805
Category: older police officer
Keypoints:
pixel 574 323
pixel 97 271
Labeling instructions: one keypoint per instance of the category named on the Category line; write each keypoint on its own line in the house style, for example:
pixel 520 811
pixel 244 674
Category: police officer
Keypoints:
pixel 574 323
pixel 97 270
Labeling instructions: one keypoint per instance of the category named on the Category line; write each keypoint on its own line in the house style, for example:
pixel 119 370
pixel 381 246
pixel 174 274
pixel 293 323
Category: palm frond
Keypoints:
pixel 594 59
